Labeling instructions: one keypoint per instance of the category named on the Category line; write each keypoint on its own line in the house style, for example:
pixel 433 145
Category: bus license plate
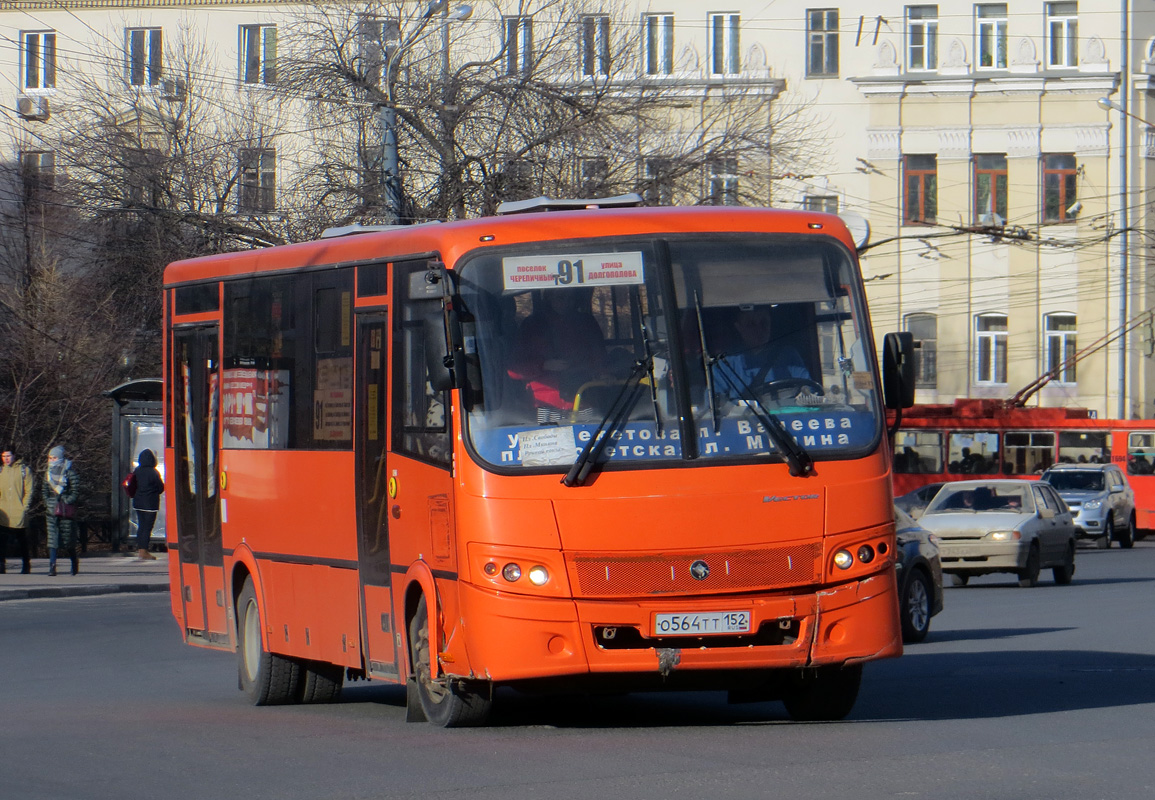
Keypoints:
pixel 702 624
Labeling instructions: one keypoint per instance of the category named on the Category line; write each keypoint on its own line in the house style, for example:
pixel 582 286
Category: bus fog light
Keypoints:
pixel 866 554
pixel 511 572
pixel 490 568
pixel 538 576
pixel 843 559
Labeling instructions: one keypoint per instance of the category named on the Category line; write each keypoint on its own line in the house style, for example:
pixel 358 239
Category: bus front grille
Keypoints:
pixel 625 575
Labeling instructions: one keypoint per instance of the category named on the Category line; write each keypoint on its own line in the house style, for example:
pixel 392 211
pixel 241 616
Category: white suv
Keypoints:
pixel 1100 498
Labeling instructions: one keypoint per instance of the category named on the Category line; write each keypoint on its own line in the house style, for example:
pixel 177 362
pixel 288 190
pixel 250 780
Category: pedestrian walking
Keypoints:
pixel 60 490
pixel 16 482
pixel 145 487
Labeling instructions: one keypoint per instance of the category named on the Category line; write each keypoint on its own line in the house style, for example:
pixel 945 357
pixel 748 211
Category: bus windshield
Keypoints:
pixel 692 344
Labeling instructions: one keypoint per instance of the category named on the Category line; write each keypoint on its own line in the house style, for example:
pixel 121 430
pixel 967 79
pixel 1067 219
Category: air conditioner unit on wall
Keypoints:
pixel 32 106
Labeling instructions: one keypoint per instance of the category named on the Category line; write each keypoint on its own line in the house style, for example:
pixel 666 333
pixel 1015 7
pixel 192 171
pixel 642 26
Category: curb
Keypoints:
pixel 40 593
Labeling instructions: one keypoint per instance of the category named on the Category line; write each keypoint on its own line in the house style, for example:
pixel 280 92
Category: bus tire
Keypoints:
pixel 447 703
pixel 1029 575
pixel 1127 537
pixel 825 694
pixel 915 603
pixel 266 678
pixel 1063 574
pixel 321 681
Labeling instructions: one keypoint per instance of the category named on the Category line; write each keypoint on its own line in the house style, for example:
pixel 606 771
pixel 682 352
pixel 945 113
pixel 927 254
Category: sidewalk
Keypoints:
pixel 100 573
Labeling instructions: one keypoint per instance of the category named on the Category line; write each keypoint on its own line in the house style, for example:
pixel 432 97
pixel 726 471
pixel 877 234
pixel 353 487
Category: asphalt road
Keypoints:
pixel 1018 693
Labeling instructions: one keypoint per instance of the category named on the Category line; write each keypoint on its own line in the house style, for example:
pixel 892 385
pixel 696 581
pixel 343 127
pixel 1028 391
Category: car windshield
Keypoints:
pixel 1002 498
pixel 696 342
pixel 1075 480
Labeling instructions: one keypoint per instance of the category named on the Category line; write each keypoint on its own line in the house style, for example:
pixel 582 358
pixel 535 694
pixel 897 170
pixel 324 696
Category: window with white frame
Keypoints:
pixel 658 189
pixel 1062 34
pixel 824 203
pixel 518 44
pixel 991 35
pixel 595 45
pixel 143 47
pixel 374 36
pixel 991 348
pixel 258 184
pixel 921 38
pixel 724 182
pixel 38 60
pixel 258 54
pixel 38 175
pixel 822 42
pixel 924 328
pixel 1060 330
pixel 724 53
pixel 593 176
pixel 658 44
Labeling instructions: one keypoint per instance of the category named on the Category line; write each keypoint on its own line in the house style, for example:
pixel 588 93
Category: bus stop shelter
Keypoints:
pixel 137 423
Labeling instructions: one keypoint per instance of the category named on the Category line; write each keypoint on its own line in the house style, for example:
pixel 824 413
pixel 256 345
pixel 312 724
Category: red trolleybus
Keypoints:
pixel 990 438
pixel 522 451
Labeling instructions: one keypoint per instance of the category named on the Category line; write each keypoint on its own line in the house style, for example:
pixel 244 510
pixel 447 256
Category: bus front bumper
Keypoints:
pixel 514 638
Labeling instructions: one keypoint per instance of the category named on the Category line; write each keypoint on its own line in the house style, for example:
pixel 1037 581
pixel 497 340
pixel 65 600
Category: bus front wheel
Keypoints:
pixel 448 703
pixel 825 694
pixel 266 678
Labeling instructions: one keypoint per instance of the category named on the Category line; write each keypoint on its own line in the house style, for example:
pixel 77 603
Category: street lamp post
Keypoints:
pixel 1124 248
pixel 387 112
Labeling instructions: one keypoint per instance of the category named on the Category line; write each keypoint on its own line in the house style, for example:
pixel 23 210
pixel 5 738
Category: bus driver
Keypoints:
pixel 762 359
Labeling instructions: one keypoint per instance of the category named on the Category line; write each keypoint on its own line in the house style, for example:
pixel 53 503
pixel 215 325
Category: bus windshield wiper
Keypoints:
pixel 707 362
pixel 801 464
pixel 620 409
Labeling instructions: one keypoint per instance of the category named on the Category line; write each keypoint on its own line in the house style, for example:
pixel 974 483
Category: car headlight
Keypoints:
pixel 1003 536
pixel 1091 505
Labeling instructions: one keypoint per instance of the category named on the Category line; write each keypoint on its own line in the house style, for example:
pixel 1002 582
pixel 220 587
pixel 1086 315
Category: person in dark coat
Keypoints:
pixel 145 500
pixel 60 489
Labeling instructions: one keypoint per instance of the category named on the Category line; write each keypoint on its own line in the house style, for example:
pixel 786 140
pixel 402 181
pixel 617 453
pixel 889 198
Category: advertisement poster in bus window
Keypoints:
pixel 333 400
pixel 255 407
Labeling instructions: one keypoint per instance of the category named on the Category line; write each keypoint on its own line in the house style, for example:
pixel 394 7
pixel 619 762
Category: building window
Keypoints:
pixel 595 45
pixel 922 37
pixel 659 185
pixel 516 181
pixel 991 189
pixel 724 182
pixel 38 175
pixel 821 43
pixel 593 176
pixel 369 167
pixel 920 200
pixel 1062 34
pixel 1059 174
pixel 374 36
pixel 924 327
pixel 658 43
pixel 991 348
pixel 1061 348
pixel 258 180
pixel 991 33
pixel 144 50
pixel 259 54
pixel 724 44
pixel 142 171
pixel 38 54
pixel 825 204
pixel 518 45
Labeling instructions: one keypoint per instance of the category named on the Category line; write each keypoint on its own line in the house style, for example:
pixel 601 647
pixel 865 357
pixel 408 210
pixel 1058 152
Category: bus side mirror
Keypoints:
pixel 898 369
pixel 444 358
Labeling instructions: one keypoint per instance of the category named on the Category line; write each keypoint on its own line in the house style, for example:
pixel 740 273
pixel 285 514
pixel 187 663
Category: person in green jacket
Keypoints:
pixel 16 482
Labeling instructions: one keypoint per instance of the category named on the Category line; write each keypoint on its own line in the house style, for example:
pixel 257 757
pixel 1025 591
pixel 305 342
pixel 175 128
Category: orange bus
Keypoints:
pixel 520 452
pixel 990 438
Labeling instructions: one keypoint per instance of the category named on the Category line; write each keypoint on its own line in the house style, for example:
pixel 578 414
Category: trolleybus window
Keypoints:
pixel 563 333
pixel 1140 453
pixel 1084 447
pixel 918 452
pixel 973 453
pixel 1028 452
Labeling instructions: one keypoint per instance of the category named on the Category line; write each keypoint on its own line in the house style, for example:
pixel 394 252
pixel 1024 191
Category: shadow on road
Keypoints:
pixel 979 634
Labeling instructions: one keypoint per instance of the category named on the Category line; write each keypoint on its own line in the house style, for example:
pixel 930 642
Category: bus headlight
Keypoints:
pixel 538 576
pixel 511 572
pixel 843 559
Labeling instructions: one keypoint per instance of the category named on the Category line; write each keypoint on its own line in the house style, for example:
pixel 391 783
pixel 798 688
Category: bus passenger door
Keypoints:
pixel 379 625
pixel 196 395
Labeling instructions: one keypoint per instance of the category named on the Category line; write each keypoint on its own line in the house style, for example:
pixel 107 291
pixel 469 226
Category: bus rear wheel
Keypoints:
pixel 321 681
pixel 266 678
pixel 448 703
pixel 825 694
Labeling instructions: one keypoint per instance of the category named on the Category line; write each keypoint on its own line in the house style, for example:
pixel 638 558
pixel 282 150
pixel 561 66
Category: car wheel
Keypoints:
pixel 957 579
pixel 1029 575
pixel 450 704
pixel 826 694
pixel 916 607
pixel 1127 537
pixel 1064 573
pixel 1104 541
pixel 266 678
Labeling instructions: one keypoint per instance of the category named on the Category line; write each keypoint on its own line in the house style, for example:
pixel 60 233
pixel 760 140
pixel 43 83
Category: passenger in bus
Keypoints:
pixel 763 358
pixel 558 348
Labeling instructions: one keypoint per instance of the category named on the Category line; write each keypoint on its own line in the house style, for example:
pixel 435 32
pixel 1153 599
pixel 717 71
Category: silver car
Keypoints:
pixel 1100 499
pixel 1014 526
pixel 919 574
